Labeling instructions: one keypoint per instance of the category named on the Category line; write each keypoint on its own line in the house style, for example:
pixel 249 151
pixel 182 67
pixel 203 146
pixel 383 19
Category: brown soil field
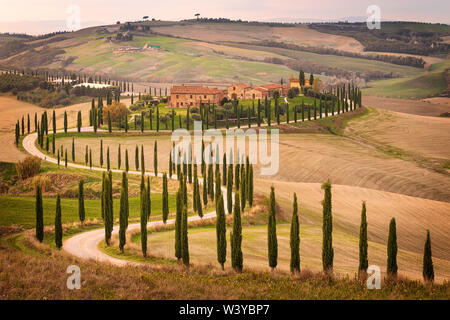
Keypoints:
pixel 299 35
pixel 426 107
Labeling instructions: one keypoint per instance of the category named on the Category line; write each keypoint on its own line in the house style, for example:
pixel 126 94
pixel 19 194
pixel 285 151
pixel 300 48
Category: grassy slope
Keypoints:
pixel 428 84
pixel 179 59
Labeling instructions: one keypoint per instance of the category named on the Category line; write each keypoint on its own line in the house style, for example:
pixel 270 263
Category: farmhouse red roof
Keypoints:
pixel 274 86
pixel 194 89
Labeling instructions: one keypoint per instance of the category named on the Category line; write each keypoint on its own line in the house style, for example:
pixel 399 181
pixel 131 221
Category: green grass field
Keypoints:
pixel 178 59
pixel 21 210
pixel 428 84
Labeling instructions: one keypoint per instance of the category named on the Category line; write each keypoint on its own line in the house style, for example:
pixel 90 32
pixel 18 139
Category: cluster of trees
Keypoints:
pixel 398 37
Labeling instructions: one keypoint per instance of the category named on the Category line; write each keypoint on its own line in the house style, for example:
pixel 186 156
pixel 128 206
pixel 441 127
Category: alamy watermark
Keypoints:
pixel 374 19
pixel 74 280
pixel 237 144
pixel 73 21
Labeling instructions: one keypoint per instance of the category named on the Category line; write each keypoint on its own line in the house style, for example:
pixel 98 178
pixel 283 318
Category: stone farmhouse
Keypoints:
pixel 184 96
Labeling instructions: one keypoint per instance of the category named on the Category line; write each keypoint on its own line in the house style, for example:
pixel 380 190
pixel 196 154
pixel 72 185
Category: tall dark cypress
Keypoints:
pixel 155 158
pixel 108 161
pixel 236 237
pixel 108 208
pixel 81 210
pixel 184 237
pixel 73 149
pixel 136 158
pixel 143 208
pixel 65 121
pixel 109 122
pixel 224 169
pixel 165 199
pixel 221 232
pixel 250 186
pixel 295 238
pixel 363 245
pixel 428 269
pixel 230 190
pixel 178 223
pixel 327 229
pixel 58 224
pixel 101 153
pixel 39 214
pixel 123 216
pixel 142 160
pixel 272 232
pixel 392 250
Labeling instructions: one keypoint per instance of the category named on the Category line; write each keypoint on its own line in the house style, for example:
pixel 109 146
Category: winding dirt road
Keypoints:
pixel 85 245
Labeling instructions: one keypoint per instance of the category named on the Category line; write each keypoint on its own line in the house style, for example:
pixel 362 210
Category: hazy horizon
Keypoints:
pixel 48 15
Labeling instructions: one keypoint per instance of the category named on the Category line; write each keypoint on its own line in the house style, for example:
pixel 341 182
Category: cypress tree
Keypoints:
pixel 236 237
pixel 65 121
pixel 250 186
pixel 165 199
pixel 65 158
pixel 157 119
pixel 79 121
pixel 236 175
pixel 327 229
pixel 136 158
pixel 143 208
pixel 108 208
pixel 155 158
pixel 81 210
pixel 142 160
pixel 205 191
pixel 123 217
pixel 108 161
pixel 295 239
pixel 194 195
pixel 392 250
pixel 230 190
pixel 58 224
pixel 109 122
pixel 119 157
pixel 101 153
pixel 272 232
pixel 199 202
pixel 242 189
pixel 363 245
pixel 184 237
pixel 170 165
pixel 428 269
pixel 178 223
pixel 221 232
pixel 39 214
pixel 54 122
pixel 224 169
pixel 73 149
pixel 59 158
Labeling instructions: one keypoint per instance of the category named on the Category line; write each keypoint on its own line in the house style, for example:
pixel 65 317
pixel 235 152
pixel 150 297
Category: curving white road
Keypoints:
pixel 85 245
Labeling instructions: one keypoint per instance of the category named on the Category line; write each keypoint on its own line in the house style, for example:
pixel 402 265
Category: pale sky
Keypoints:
pixel 110 11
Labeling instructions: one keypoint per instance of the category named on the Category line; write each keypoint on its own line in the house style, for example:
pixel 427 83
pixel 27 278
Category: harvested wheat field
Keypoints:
pixel 425 107
pixel 12 110
pixel 300 35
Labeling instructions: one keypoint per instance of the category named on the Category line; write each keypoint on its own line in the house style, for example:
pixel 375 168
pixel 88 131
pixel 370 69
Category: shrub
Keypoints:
pixel 117 110
pixel 44 182
pixel 29 167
